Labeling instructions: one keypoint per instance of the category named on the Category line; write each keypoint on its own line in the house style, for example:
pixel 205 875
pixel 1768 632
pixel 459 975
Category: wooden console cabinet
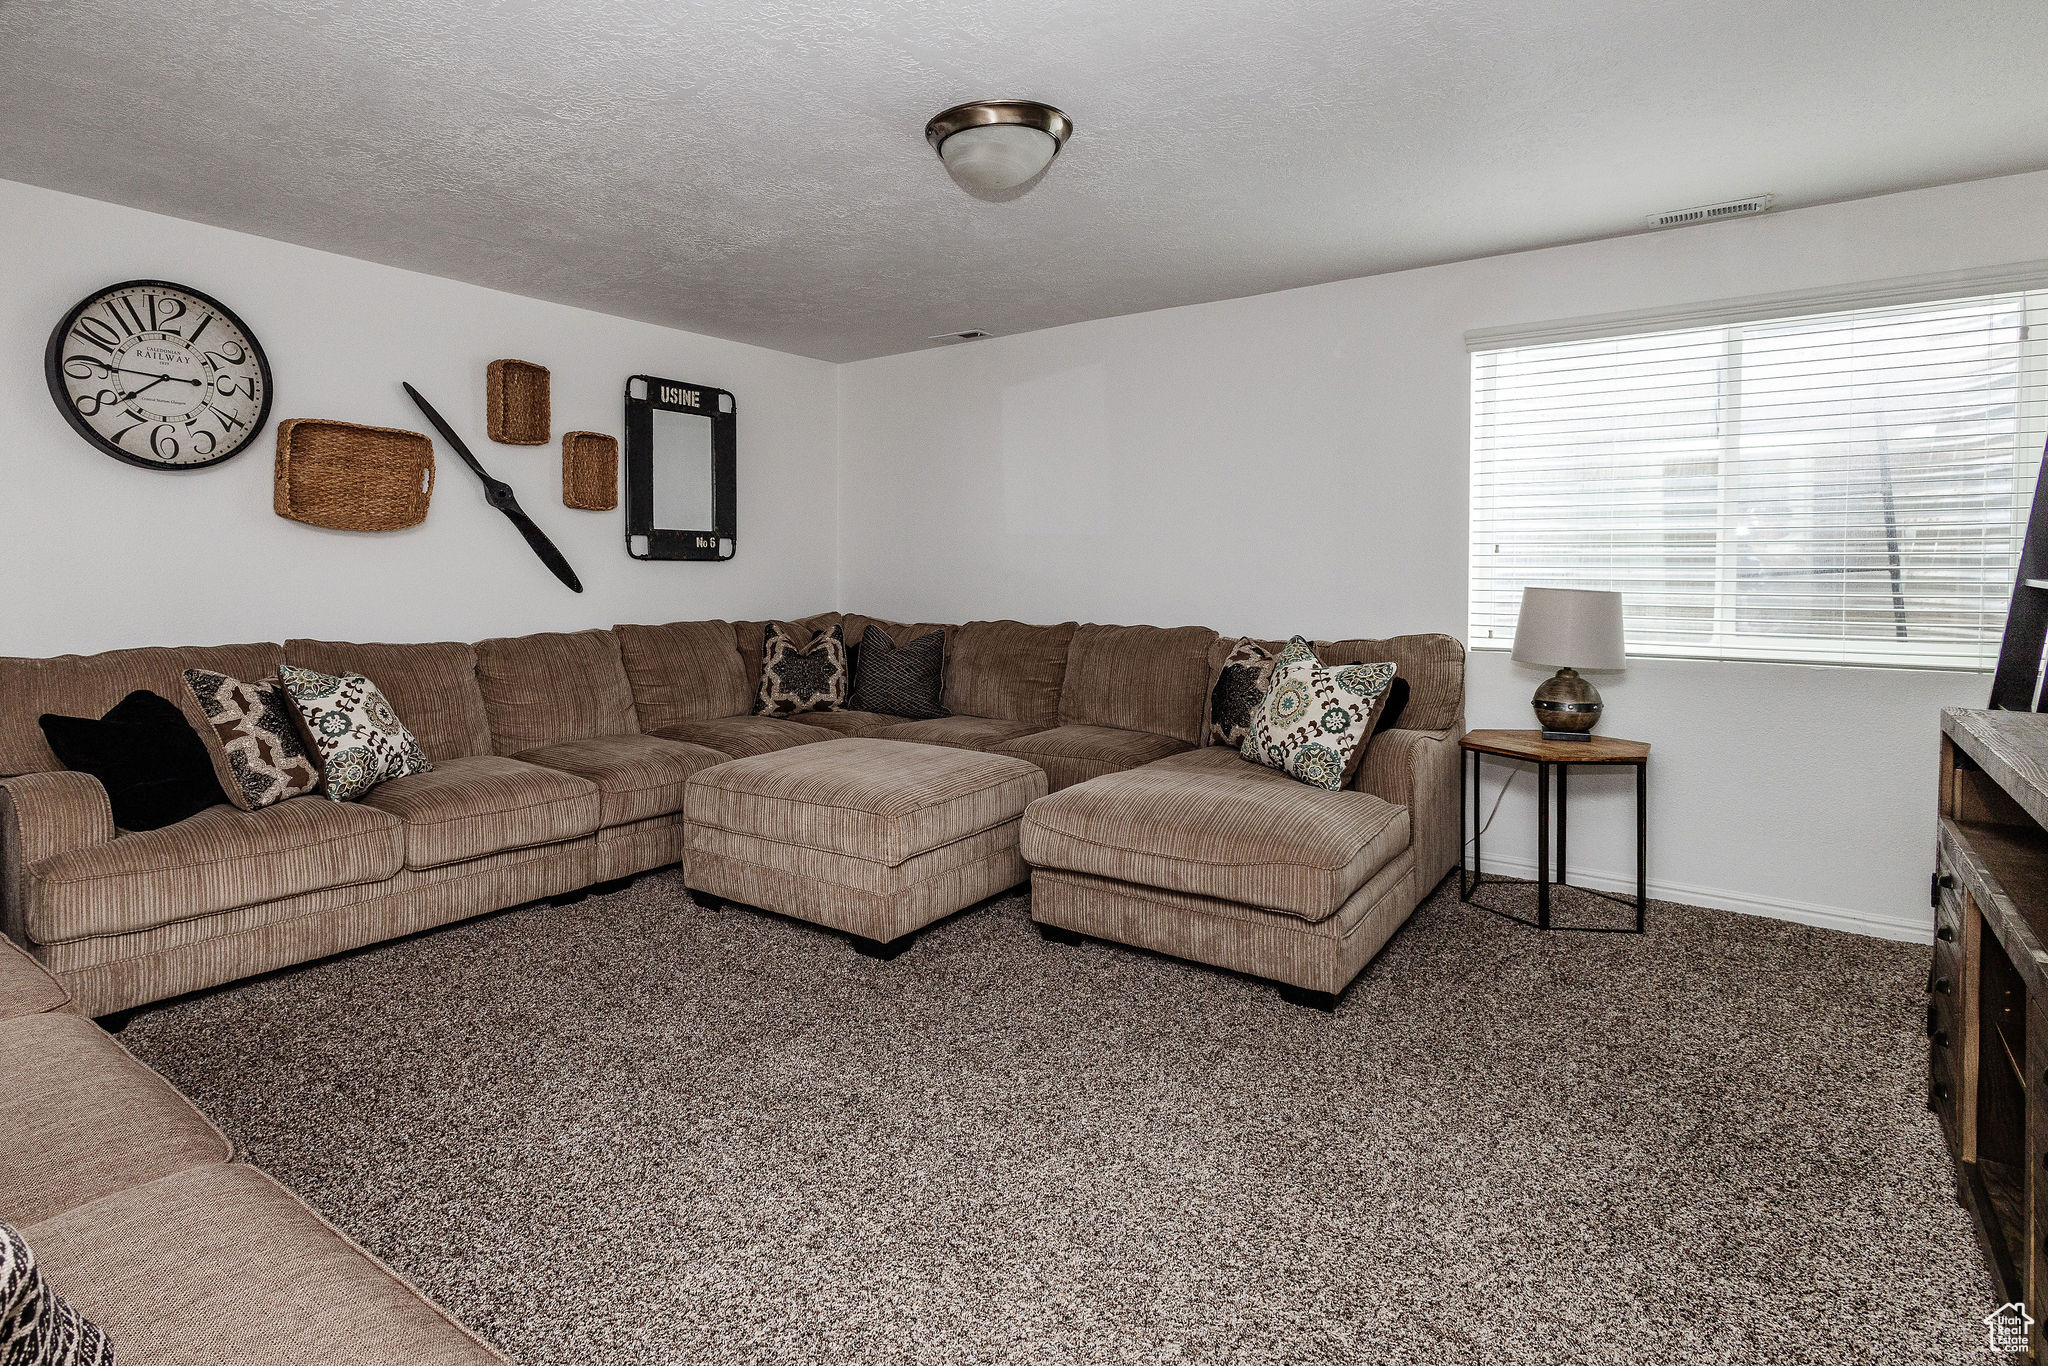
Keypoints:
pixel 1987 989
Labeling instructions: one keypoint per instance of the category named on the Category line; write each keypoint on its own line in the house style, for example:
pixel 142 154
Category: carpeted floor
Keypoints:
pixel 633 1131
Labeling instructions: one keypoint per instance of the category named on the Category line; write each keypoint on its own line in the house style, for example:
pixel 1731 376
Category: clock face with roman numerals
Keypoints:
pixel 159 375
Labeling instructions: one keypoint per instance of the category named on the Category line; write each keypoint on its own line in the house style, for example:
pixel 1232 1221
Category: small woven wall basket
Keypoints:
pixel 590 471
pixel 516 403
pixel 351 478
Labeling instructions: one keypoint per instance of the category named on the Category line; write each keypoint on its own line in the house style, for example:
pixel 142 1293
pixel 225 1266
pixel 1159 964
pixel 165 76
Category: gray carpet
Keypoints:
pixel 633 1131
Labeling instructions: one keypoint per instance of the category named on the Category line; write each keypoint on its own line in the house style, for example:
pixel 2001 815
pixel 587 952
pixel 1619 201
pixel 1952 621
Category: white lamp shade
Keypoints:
pixel 1570 628
pixel 997 156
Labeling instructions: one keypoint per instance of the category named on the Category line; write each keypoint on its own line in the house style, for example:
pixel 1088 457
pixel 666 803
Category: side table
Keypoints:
pixel 1550 756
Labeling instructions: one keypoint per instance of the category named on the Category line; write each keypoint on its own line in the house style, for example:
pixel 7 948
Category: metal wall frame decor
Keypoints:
pixel 647 396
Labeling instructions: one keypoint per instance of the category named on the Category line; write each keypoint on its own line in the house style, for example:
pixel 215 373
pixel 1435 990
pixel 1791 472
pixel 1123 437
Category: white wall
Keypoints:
pixel 96 554
pixel 1298 462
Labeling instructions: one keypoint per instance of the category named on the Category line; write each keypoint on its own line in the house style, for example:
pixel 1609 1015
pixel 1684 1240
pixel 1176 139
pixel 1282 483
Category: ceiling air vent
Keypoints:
pixel 1708 213
pixel 970 334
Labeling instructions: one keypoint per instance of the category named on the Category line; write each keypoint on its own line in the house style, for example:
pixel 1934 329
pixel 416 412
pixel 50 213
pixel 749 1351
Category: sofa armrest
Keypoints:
pixel 1419 769
pixel 42 814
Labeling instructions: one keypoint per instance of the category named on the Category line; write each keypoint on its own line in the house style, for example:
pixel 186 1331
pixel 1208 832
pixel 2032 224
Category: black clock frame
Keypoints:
pixel 53 373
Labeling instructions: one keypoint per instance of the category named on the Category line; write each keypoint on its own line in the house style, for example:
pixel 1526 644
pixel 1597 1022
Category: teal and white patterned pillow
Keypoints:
pixel 360 740
pixel 1316 718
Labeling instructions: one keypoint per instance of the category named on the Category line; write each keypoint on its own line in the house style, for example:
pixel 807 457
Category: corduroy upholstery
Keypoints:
pixel 1007 670
pixel 638 777
pixel 89 685
pixel 467 808
pixel 880 800
pixel 219 1264
pixel 1434 666
pixel 43 814
pixel 684 671
pixel 544 689
pixel 218 860
pixel 959 732
pixel 738 737
pixel 433 688
pixel 1208 823
pixel 749 637
pixel 1419 770
pixel 82 1119
pixel 854 723
pixel 26 987
pixel 1138 678
pixel 1074 754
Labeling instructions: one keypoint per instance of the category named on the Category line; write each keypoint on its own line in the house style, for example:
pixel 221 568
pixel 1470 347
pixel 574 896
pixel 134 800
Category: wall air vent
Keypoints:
pixel 1708 213
pixel 970 334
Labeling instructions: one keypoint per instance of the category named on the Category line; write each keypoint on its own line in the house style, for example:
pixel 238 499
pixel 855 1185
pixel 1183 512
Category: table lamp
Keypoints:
pixel 1569 629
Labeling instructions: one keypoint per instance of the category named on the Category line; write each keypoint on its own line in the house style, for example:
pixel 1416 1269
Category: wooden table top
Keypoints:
pixel 1530 745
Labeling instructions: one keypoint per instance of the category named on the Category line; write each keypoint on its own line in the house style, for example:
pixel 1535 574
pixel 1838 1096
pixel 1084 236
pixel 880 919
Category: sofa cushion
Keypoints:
pixel 351 724
pixel 1007 670
pixel 899 678
pixel 638 777
pixel 1208 823
pixel 83 1119
pixel 848 722
pixel 749 636
pixel 154 766
pixel 959 732
pixel 252 736
pixel 220 1264
pixel 89 685
pixel 1074 754
pixel 467 808
pixel 220 859
pixel 1434 666
pixel 684 671
pixel 432 688
pixel 1138 678
pixel 26 987
pixel 544 689
pixel 736 737
pixel 884 801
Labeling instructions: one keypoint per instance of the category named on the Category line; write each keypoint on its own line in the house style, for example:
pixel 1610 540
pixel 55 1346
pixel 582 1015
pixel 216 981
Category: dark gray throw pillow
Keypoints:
pixel 37 1327
pixel 899 680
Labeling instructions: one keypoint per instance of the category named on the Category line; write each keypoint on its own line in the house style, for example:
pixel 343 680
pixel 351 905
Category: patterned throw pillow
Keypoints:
pixel 1240 687
pixel 37 1326
pixel 899 680
pixel 1315 719
pixel 803 678
pixel 361 740
pixel 253 737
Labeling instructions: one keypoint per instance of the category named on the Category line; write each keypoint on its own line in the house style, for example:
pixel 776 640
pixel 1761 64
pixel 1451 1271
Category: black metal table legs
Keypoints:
pixel 1472 875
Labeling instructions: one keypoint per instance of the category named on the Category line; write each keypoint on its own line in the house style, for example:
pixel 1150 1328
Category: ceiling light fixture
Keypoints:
pixel 992 145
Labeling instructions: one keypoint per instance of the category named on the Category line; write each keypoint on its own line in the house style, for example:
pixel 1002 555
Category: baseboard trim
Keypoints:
pixel 1798 912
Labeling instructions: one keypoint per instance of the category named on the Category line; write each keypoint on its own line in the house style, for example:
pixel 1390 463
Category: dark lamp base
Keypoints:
pixel 1567 734
pixel 1567 706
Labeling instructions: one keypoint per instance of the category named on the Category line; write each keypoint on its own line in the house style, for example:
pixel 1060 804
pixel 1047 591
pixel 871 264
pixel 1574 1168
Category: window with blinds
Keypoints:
pixel 1849 487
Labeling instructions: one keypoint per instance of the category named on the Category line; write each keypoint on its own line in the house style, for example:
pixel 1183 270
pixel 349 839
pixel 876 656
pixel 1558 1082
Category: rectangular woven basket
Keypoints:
pixel 516 407
pixel 352 478
pixel 590 471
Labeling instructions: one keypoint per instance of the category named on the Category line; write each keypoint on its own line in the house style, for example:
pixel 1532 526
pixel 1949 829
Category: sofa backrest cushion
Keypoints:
pixel 684 671
pixel 90 685
pixel 1138 678
pixel 432 687
pixel 1434 666
pixel 545 689
pixel 750 635
pixel 1007 670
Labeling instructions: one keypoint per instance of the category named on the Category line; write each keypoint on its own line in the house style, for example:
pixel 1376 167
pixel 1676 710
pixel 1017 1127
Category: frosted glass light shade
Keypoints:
pixel 1570 628
pixel 997 156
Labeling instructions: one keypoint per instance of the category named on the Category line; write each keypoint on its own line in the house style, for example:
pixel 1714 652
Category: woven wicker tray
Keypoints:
pixel 516 403
pixel 352 478
pixel 590 471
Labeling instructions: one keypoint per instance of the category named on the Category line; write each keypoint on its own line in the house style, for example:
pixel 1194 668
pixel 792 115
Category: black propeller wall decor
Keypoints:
pixel 499 495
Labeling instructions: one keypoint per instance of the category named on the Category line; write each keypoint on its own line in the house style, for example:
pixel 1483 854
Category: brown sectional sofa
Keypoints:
pixel 140 1216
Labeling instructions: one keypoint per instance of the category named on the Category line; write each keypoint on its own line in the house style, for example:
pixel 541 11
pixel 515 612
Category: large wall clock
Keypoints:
pixel 159 375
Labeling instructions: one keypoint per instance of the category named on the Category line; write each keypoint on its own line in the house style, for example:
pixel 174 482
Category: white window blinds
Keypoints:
pixel 1849 487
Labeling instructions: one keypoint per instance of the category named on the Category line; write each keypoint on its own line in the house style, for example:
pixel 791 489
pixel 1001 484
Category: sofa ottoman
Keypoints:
pixel 874 838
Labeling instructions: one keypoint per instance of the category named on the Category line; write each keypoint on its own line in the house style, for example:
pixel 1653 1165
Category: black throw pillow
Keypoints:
pixel 899 680
pixel 1397 700
pixel 145 753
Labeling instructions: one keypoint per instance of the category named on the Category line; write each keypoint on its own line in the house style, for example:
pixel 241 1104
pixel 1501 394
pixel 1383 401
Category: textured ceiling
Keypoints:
pixel 759 172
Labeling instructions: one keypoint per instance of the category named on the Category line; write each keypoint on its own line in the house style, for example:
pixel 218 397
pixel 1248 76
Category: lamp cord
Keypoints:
pixel 1498 797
